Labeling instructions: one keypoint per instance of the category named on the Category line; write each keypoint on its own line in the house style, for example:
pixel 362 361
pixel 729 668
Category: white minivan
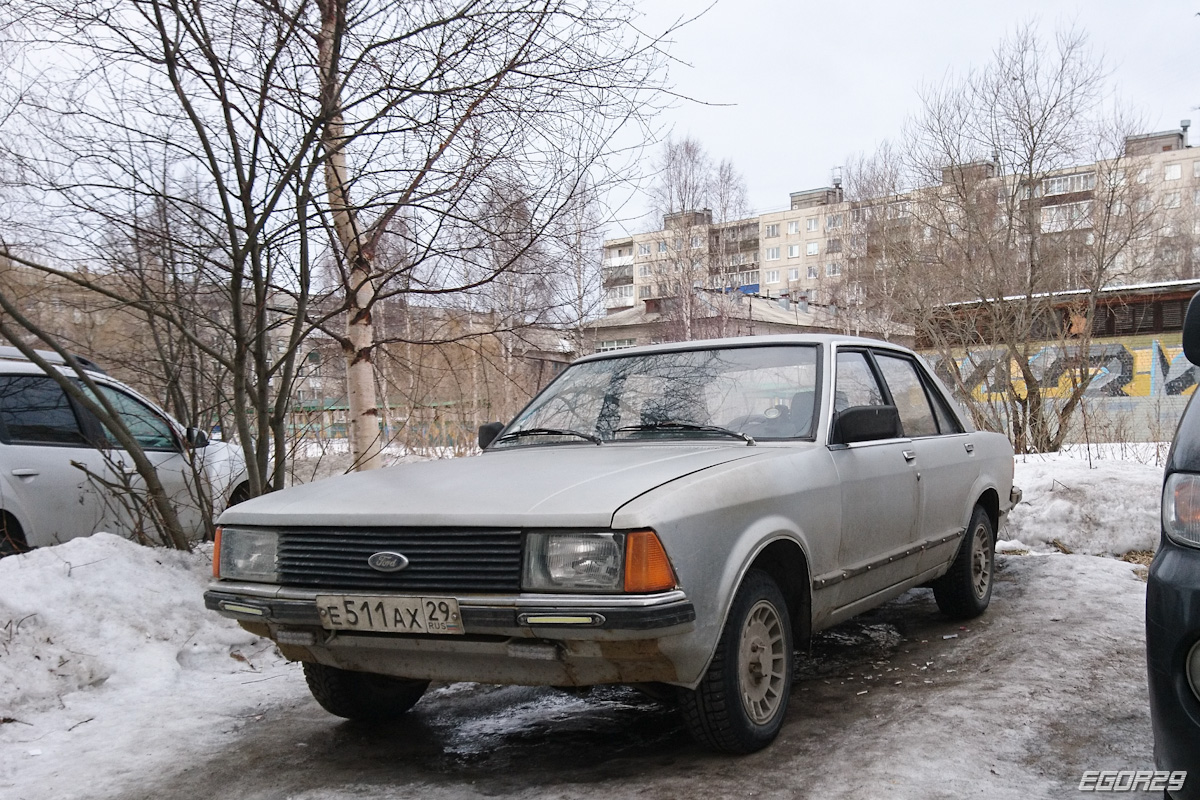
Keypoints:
pixel 60 469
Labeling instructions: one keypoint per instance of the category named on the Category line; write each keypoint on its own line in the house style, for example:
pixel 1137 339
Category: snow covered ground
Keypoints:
pixel 116 683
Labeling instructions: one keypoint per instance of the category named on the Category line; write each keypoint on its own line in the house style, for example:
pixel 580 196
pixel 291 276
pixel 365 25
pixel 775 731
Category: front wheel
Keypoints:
pixel 966 589
pixel 740 704
pixel 362 695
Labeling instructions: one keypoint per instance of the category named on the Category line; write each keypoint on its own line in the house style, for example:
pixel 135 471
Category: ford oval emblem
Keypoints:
pixel 387 562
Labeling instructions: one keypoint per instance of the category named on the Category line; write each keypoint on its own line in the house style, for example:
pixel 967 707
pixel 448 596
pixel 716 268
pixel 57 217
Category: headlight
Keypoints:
pixel 596 562
pixel 1181 509
pixel 247 555
pixel 574 562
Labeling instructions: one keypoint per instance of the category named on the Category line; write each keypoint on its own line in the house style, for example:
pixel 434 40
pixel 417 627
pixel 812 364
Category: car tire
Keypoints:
pixel 12 538
pixel 742 699
pixel 362 696
pixel 966 589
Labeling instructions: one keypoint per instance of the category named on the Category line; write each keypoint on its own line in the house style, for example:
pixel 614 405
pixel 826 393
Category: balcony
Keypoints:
pixel 617 261
pixel 616 276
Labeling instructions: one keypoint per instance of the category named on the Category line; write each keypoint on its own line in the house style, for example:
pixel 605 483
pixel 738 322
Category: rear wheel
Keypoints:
pixel 740 704
pixel 966 589
pixel 362 695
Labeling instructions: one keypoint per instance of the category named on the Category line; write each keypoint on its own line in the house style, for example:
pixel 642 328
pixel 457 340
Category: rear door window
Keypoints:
pixel 908 394
pixel 35 410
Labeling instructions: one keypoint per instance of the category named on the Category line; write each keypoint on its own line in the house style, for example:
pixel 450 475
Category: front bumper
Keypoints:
pixel 1172 629
pixel 507 638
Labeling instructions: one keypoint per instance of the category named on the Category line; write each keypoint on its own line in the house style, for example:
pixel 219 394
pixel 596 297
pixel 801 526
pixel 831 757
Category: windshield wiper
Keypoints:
pixel 551 432
pixel 688 426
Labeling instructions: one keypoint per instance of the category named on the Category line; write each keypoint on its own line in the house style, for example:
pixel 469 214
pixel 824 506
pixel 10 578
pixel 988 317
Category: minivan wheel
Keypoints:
pixel 965 590
pixel 361 696
pixel 740 704
pixel 12 538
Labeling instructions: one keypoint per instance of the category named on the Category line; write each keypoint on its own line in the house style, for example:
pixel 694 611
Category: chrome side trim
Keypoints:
pixel 837 576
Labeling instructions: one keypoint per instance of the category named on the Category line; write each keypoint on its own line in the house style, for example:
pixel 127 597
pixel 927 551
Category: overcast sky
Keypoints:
pixel 804 84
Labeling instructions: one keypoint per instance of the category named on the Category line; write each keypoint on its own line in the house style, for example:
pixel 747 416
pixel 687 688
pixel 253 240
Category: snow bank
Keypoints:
pixel 103 610
pixel 1108 507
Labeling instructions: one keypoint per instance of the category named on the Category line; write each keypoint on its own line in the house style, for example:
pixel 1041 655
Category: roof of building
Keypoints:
pixel 749 307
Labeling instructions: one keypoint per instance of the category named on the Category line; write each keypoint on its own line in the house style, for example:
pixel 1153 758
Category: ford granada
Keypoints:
pixel 679 517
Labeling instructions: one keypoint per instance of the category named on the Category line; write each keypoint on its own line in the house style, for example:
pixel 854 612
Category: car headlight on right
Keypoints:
pixel 599 562
pixel 1181 509
pixel 244 554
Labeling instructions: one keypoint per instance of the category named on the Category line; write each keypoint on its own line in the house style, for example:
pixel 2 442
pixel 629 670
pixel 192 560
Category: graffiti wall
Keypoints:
pixel 1138 383
pixel 1139 366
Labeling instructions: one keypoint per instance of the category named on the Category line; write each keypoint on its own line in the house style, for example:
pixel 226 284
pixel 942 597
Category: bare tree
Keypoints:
pixel 285 135
pixel 1014 189
pixel 704 245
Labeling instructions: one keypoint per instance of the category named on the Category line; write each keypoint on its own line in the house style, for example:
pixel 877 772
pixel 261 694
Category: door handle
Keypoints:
pixel 970 448
pixel 25 473
pixel 909 455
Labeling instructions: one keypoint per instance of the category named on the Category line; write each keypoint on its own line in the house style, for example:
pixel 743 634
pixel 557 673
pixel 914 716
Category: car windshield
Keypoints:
pixel 762 392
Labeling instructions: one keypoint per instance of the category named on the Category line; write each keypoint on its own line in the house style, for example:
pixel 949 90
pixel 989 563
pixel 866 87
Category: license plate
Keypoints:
pixel 390 614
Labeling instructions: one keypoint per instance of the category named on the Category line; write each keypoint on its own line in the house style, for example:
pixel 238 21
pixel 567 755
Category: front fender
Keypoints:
pixel 715 523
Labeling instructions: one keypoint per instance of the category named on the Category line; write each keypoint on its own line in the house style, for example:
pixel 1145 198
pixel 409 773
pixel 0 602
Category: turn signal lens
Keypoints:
pixel 217 553
pixel 647 568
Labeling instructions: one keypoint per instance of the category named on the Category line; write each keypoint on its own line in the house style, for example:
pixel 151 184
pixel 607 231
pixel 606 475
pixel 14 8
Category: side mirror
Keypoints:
pixel 1191 330
pixel 488 433
pixel 196 438
pixel 866 424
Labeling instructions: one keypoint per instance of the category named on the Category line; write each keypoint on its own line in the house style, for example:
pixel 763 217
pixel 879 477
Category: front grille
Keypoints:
pixel 440 559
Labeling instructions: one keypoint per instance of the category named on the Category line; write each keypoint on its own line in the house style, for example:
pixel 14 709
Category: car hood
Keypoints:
pixel 571 485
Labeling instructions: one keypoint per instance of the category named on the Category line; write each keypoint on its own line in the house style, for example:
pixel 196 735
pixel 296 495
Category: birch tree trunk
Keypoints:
pixel 358 346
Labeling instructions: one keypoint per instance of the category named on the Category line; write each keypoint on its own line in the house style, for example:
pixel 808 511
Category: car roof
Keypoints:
pixel 820 339
pixel 11 357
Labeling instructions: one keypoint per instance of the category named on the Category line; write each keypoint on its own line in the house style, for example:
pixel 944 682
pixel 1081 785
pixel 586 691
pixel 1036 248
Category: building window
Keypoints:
pixel 812 271
pixel 697 241
pixel 794 226
pixel 662 247
pixel 620 295
pixel 643 292
pixel 772 276
pixel 810 224
pixel 1196 194
pixel 793 251
pixel 737 259
pixel 1064 184
pixel 833 269
pixel 833 221
pixel 813 248
pixel 794 274
pixel 771 230
pixel 643 249
pixel 615 344
pixel 1171 200
pixel 645 270
pixel 1067 216
pixel 1172 172
pixel 1143 175
pixel 772 254
pixel 834 246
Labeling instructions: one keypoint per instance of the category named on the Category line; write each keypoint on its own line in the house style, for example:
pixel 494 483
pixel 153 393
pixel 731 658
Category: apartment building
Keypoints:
pixel 807 251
